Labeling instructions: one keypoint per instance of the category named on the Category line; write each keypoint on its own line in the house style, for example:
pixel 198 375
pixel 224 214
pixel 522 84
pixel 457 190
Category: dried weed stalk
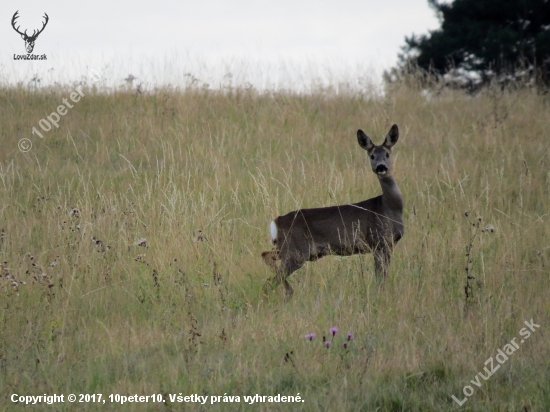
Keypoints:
pixel 475 230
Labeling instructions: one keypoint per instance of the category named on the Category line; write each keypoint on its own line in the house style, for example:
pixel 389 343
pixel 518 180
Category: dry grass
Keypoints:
pixel 182 316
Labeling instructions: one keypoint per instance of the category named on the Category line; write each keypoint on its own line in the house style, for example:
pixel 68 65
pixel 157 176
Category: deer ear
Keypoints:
pixel 391 137
pixel 364 140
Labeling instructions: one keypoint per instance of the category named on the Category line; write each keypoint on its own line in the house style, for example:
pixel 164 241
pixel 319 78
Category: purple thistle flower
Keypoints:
pixel 327 344
pixel 310 336
pixel 333 331
pixel 345 345
pixel 350 336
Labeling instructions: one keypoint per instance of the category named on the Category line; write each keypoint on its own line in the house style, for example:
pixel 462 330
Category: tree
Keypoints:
pixel 489 38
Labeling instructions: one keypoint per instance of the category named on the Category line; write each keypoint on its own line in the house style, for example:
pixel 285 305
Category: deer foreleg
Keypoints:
pixel 382 258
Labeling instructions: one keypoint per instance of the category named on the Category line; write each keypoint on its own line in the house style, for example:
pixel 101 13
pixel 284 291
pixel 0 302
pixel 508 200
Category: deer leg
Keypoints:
pixel 287 267
pixel 281 276
pixel 382 258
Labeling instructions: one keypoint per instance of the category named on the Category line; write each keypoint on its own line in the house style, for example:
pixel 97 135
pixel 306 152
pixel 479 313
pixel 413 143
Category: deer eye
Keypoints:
pixel 372 157
pixel 387 155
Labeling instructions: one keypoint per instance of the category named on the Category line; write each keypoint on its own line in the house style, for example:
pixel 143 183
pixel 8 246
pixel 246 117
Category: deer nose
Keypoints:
pixel 381 169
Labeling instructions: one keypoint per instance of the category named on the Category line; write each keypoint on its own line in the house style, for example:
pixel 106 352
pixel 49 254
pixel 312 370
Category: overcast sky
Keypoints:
pixel 265 43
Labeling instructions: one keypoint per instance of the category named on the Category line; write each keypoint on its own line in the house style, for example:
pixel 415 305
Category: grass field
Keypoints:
pixel 85 310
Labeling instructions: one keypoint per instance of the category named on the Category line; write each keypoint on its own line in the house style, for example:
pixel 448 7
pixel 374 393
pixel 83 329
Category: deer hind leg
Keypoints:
pixel 280 277
pixel 382 258
pixel 287 266
pixel 273 260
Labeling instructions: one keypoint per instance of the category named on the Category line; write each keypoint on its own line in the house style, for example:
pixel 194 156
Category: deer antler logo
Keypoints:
pixel 29 40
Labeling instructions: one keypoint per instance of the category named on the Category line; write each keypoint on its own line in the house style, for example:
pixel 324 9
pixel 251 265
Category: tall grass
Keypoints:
pixel 84 309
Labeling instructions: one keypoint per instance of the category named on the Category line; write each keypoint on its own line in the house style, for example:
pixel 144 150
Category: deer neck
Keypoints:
pixel 391 195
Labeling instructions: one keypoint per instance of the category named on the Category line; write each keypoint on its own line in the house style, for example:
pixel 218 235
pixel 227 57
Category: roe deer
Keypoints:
pixel 374 225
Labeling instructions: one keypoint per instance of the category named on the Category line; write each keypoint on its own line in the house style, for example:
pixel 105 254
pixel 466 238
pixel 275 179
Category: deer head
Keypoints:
pixel 29 40
pixel 380 159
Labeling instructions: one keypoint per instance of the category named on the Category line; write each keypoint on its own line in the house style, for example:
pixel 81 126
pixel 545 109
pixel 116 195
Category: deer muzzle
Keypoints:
pixel 381 170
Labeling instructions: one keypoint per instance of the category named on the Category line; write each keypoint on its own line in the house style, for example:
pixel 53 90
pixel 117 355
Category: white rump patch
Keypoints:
pixel 273 230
